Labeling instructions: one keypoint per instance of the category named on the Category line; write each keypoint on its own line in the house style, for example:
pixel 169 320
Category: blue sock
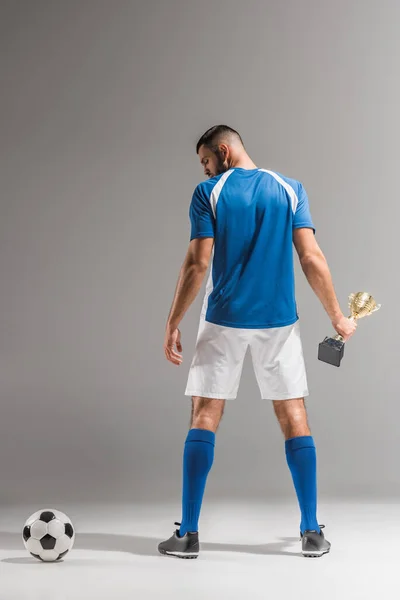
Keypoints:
pixel 198 457
pixel 301 457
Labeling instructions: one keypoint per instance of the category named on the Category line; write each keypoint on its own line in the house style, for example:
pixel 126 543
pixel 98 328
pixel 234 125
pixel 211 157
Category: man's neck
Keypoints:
pixel 243 163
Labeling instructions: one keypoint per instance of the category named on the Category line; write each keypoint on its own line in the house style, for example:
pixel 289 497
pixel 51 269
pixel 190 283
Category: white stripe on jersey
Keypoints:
pixel 213 201
pixel 288 188
pixel 217 190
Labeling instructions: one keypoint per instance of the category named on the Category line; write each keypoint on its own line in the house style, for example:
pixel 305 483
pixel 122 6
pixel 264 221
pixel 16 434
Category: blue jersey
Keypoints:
pixel 251 214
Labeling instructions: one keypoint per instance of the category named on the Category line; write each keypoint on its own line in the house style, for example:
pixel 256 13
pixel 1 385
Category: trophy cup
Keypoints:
pixel 331 350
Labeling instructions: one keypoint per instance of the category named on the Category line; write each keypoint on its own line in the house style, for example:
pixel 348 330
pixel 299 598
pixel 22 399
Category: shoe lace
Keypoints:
pixel 178 526
pixel 319 525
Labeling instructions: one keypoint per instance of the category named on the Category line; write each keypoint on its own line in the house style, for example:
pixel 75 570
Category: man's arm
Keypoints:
pixel 190 279
pixel 316 270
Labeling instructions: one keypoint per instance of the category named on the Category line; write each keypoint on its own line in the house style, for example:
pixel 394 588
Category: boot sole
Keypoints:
pixel 180 554
pixel 316 554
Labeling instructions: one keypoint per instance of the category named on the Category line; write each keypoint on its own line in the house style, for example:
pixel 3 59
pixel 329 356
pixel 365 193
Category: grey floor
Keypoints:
pixel 248 550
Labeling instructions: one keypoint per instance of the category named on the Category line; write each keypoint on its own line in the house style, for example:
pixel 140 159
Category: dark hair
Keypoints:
pixel 214 135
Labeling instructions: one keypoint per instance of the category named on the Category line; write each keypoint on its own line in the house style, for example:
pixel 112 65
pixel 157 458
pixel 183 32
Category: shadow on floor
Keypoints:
pixel 144 546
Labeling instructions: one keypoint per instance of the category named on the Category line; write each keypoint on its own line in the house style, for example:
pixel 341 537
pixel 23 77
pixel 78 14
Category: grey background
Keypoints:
pixel 101 105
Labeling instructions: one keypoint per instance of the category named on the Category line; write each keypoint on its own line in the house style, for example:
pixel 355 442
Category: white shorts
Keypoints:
pixel 277 357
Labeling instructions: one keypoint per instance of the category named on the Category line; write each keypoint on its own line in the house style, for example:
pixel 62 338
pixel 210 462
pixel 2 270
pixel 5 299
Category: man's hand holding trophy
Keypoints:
pixel 331 350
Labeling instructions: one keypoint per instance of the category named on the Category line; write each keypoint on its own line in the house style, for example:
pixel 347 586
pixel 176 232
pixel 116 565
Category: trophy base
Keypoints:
pixel 331 351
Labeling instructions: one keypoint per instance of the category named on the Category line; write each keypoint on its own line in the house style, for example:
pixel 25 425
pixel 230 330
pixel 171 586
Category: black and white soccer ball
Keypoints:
pixel 48 535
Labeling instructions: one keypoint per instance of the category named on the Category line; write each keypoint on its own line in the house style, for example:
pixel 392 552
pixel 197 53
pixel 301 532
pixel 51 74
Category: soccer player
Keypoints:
pixel 247 218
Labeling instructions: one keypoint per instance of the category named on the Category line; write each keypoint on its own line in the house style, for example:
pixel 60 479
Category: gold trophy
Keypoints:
pixel 331 350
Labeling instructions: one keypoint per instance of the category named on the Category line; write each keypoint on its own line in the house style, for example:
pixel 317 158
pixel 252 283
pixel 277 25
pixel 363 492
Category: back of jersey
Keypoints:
pixel 251 214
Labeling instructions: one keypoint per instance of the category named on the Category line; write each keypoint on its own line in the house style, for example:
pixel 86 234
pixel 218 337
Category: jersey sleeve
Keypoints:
pixel 201 215
pixel 302 216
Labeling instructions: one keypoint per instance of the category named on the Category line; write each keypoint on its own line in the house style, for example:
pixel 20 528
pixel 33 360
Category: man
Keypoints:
pixel 248 218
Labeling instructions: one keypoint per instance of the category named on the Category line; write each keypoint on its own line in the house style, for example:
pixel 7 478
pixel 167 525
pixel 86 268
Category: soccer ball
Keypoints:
pixel 48 535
